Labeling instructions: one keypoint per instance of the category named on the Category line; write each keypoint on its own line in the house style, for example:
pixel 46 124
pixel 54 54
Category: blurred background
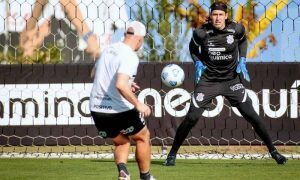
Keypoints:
pixel 51 31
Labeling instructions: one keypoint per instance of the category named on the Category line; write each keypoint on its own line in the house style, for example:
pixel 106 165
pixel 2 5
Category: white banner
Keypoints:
pixel 45 104
pixel 68 104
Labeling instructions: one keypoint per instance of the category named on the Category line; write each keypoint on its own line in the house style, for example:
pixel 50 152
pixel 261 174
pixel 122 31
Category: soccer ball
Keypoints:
pixel 172 75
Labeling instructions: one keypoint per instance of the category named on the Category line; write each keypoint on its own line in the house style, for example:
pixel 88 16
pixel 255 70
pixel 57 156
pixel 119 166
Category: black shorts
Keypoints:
pixel 112 124
pixel 205 92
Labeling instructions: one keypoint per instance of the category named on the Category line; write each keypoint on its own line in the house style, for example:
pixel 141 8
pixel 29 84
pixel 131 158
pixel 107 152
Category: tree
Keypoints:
pixel 167 22
pixel 164 29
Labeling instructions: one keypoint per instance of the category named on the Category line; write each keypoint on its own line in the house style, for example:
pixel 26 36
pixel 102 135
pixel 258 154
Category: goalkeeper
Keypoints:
pixel 218 50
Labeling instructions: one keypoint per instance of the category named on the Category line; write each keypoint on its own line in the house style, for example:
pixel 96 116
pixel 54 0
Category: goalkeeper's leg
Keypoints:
pixel 248 112
pixel 184 128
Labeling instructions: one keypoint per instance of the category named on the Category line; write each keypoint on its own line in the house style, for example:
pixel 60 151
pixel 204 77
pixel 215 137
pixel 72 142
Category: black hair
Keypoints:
pixel 218 6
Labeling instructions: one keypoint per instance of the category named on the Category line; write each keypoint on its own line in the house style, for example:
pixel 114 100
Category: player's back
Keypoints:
pixel 104 96
pixel 108 63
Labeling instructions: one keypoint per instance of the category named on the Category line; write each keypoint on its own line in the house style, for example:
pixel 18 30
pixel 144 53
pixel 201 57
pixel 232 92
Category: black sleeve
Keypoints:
pixel 195 44
pixel 242 38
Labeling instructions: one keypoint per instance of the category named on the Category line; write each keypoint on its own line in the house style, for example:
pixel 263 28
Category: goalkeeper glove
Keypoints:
pixel 199 69
pixel 241 67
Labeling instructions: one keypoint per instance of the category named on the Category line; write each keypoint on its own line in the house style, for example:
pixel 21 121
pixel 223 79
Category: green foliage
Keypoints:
pixel 164 28
pixel 48 55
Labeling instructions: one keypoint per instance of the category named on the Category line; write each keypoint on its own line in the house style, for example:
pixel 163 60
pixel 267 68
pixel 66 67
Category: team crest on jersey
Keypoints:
pixel 230 39
pixel 200 97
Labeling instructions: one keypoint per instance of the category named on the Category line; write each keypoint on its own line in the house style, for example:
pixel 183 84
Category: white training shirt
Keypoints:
pixel 116 58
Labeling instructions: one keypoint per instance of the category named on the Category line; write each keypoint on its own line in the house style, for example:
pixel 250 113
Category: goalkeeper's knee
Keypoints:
pixel 193 116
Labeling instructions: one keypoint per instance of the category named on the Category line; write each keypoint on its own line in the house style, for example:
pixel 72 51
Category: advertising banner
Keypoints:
pixel 55 98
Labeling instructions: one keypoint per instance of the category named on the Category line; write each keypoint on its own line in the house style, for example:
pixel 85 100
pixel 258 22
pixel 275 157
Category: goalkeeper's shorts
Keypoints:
pixel 205 92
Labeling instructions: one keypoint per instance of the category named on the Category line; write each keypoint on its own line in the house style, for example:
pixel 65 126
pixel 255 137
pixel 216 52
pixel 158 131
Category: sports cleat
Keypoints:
pixel 280 159
pixel 152 178
pixel 170 161
pixel 123 176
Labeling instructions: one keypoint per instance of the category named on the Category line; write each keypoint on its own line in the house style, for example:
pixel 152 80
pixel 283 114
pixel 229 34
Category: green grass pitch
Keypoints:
pixel 104 169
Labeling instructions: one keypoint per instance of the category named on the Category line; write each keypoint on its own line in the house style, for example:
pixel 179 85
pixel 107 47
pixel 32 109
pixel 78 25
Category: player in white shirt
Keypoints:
pixel 116 111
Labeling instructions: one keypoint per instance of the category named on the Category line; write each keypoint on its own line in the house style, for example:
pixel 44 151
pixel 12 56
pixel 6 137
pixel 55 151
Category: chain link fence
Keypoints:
pixel 51 31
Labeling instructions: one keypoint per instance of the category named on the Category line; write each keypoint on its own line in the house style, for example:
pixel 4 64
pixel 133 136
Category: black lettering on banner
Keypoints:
pixel 46 104
pixel 56 103
pixel 23 102
pixel 80 109
pixel 1 110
